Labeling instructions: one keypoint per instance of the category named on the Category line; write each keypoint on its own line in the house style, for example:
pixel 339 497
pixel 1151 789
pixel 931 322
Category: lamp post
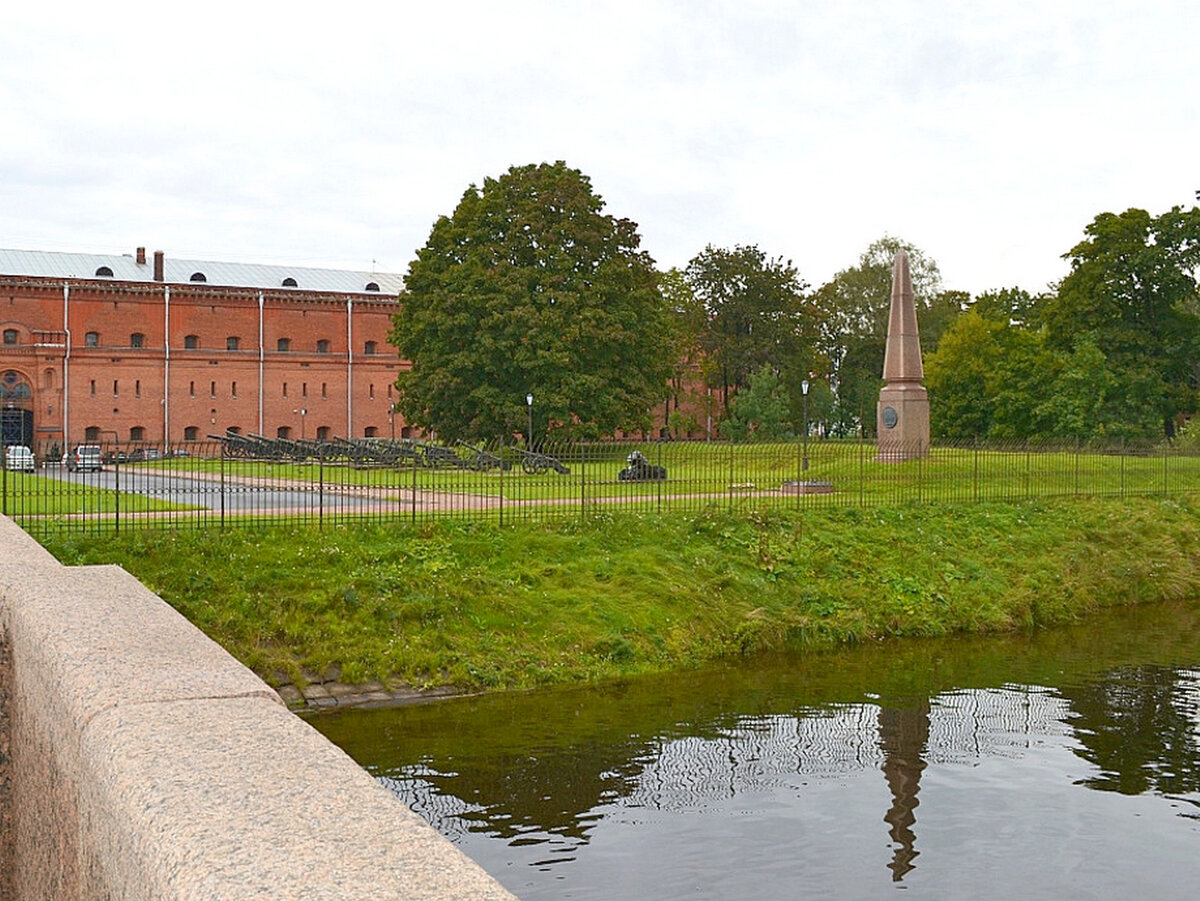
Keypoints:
pixel 303 411
pixel 529 434
pixel 804 393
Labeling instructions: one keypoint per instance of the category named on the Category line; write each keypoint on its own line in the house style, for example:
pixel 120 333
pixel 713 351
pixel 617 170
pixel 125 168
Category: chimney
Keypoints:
pixel 141 256
pixel 158 265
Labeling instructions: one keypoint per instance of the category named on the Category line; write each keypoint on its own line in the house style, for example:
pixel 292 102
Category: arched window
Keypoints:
pixel 370 432
pixel 369 348
pixel 191 433
pixel 232 342
pixel 10 336
pixel 288 282
pixel 323 432
pixel 283 345
pixel 137 433
pixel 91 433
pixel 234 430
pixel 198 277
pixel 323 346
pixel 371 286
pixel 191 342
pixel 137 339
pixel 91 339
pixel 104 272
pixel 283 432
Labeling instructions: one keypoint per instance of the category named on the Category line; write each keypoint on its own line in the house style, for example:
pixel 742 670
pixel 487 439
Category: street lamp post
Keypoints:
pixel 303 411
pixel 529 434
pixel 804 393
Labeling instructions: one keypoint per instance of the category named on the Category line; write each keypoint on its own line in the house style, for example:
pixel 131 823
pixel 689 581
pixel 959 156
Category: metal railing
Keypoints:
pixel 239 480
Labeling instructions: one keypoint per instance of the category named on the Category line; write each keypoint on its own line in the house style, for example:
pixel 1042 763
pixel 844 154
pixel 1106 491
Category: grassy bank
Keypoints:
pixel 477 605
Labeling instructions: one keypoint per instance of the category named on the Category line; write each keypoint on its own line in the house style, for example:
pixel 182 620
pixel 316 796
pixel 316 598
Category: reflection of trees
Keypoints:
pixel 1139 727
pixel 548 762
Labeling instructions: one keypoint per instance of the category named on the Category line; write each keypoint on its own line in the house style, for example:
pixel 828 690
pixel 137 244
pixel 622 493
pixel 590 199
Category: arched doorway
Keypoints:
pixel 16 408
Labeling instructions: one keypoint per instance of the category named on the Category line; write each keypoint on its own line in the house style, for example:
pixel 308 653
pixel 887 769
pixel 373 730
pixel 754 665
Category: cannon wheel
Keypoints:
pixel 531 467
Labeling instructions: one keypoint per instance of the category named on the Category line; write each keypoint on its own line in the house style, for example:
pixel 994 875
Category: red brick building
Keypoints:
pixel 124 348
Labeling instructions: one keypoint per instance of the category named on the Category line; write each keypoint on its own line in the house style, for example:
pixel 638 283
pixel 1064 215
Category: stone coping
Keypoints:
pixel 145 762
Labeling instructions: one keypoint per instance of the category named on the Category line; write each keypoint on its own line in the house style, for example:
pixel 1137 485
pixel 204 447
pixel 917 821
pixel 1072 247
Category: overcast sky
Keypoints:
pixel 987 134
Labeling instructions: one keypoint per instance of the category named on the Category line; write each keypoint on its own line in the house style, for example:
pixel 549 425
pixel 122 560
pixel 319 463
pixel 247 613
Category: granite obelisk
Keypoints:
pixel 903 412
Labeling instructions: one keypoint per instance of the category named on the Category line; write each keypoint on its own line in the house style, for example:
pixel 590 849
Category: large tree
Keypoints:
pixel 756 313
pixel 1132 294
pixel 530 287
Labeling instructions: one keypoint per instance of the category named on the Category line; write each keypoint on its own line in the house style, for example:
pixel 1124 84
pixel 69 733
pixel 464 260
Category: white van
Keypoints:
pixel 84 458
pixel 19 458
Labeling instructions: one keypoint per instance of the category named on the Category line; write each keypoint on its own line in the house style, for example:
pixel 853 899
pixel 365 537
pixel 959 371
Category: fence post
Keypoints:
pixel 582 480
pixel 1122 466
pixel 500 453
pixel 414 487
pixel 730 488
pixel 975 477
pixel 1028 470
pixel 658 482
pixel 862 469
pixel 1077 466
pixel 222 467
pixel 320 491
pixel 117 489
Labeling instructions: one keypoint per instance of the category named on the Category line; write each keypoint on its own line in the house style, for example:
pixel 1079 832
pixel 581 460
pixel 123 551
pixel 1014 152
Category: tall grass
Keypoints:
pixel 472 604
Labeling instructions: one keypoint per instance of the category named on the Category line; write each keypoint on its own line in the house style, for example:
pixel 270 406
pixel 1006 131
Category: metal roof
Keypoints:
pixel 125 267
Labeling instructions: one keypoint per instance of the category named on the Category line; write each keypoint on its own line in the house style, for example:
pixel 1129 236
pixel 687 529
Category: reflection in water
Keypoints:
pixel 903 732
pixel 739 782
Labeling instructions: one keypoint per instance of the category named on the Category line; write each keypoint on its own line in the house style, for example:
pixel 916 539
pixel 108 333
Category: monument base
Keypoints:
pixel 903 422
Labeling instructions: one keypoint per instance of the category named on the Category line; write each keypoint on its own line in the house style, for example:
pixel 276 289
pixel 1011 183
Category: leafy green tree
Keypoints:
pixel 691 369
pixel 756 314
pixel 760 412
pixel 1132 293
pixel 530 287
pixel 853 318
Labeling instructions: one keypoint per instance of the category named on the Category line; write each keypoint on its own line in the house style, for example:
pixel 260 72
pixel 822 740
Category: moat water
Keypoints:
pixel 1063 764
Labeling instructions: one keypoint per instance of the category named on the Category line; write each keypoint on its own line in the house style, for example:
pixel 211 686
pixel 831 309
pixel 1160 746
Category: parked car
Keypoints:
pixel 20 458
pixel 84 458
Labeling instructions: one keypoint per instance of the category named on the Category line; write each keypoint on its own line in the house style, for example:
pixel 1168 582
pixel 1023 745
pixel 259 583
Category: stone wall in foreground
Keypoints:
pixel 138 760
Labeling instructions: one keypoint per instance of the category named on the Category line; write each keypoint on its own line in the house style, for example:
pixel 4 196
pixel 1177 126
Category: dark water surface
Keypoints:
pixel 1064 764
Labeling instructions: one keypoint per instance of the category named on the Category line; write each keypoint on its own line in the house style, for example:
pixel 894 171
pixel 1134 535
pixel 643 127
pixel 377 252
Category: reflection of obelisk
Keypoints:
pixel 903 404
pixel 903 736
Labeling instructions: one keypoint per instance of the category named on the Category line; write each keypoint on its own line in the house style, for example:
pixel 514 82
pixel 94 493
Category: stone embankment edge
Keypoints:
pixel 142 761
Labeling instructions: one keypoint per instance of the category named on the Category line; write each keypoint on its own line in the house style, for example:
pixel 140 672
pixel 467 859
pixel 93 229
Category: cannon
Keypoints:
pixel 533 462
pixel 481 459
pixel 639 469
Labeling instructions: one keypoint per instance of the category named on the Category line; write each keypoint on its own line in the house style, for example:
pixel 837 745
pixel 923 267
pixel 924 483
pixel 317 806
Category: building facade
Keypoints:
pixel 129 349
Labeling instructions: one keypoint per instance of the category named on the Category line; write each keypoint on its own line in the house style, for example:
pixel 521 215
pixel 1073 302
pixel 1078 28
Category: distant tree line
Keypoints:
pixel 530 288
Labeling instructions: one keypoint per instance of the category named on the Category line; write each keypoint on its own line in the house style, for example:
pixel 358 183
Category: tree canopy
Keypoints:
pixel 756 312
pixel 530 287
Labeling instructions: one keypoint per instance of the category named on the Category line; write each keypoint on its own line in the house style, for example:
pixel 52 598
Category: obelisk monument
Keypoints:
pixel 903 413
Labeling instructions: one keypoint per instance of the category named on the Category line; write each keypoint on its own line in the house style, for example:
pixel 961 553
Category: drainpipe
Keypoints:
pixel 66 398
pixel 166 365
pixel 349 367
pixel 261 362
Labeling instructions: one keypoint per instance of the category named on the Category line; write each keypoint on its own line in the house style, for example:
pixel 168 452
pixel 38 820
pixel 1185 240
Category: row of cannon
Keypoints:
pixel 403 452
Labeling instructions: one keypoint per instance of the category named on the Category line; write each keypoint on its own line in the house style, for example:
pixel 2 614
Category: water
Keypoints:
pixel 1059 765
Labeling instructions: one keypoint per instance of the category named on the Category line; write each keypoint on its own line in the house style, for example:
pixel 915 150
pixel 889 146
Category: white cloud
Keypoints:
pixel 989 136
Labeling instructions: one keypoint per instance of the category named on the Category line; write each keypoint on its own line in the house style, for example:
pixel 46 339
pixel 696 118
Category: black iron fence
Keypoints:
pixel 237 480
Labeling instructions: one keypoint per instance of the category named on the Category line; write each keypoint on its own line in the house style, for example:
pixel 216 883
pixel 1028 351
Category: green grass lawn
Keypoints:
pixel 722 470
pixel 472 604
pixel 29 495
